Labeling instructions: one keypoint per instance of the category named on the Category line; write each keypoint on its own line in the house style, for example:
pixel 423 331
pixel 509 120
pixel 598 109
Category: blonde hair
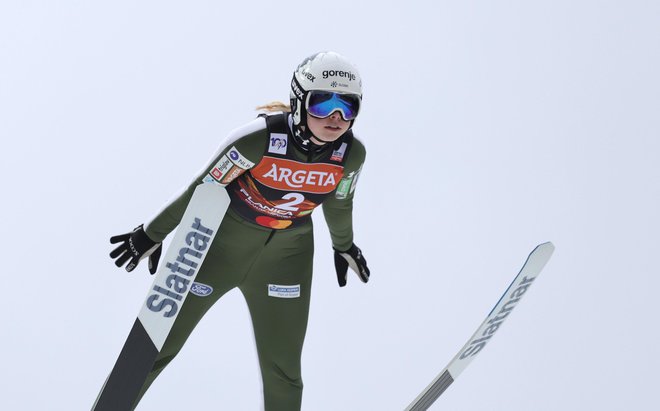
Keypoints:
pixel 275 106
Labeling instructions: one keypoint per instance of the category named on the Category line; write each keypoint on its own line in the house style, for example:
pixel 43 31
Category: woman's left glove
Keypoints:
pixel 350 258
pixel 136 246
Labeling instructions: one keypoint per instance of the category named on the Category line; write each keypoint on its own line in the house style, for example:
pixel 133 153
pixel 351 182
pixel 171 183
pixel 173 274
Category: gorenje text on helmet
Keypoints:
pixel 339 73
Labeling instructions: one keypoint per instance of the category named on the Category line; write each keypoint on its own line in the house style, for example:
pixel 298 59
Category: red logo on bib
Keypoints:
pixel 288 175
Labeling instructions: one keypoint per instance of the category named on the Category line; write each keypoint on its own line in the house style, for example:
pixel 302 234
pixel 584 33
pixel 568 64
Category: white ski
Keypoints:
pixel 530 270
pixel 167 294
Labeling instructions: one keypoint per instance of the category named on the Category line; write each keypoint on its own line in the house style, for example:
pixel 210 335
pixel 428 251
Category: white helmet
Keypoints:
pixel 325 71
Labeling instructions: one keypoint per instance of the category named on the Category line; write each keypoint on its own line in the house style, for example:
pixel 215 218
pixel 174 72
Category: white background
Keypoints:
pixel 490 127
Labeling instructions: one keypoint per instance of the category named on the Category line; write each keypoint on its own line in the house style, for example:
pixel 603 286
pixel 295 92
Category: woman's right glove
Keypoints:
pixel 136 246
pixel 350 258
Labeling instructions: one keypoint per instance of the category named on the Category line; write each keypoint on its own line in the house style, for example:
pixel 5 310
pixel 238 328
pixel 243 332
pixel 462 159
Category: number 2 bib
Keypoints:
pixel 280 191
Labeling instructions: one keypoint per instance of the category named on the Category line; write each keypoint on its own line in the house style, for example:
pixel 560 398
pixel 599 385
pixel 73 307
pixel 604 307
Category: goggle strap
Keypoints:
pixel 299 91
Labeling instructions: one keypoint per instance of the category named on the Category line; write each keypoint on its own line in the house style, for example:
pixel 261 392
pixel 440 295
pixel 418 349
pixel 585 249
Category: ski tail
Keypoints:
pixel 163 303
pixel 123 385
pixel 432 392
pixel 536 260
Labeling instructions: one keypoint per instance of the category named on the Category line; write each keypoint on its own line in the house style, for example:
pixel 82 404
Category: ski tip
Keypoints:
pixel 547 244
pixel 543 250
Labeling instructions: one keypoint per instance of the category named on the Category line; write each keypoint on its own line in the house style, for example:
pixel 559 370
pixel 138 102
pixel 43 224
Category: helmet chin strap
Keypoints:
pixel 305 138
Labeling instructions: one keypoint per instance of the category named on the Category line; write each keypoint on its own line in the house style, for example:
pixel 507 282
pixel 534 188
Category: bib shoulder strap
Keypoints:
pixel 277 123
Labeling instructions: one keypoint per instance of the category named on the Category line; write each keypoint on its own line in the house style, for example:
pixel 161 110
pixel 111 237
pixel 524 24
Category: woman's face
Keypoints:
pixel 329 129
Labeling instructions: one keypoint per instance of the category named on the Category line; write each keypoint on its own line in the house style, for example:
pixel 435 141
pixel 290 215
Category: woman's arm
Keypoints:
pixel 239 151
pixel 338 208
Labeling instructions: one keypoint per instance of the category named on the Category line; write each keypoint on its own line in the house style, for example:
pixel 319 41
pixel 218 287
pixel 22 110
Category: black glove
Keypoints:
pixel 350 258
pixel 136 246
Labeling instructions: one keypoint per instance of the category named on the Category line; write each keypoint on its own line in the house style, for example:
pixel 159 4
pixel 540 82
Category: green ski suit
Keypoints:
pixel 265 243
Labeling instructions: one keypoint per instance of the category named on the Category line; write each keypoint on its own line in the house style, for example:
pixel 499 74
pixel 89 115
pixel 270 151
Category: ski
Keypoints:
pixel 519 286
pixel 166 296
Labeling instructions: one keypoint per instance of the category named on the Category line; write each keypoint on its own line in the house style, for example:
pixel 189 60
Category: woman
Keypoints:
pixel 276 169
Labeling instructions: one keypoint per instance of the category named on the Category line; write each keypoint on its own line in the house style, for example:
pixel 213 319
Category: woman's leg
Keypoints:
pixel 225 266
pixel 277 291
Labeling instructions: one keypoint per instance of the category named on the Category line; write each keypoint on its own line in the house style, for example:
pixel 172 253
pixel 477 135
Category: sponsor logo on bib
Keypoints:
pixel 278 143
pixel 281 174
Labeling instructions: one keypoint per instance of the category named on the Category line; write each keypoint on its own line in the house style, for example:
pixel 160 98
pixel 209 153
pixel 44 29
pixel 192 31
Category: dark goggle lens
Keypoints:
pixel 321 104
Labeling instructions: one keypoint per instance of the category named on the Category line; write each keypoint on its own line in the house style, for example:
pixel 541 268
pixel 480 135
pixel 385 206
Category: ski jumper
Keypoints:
pixel 265 245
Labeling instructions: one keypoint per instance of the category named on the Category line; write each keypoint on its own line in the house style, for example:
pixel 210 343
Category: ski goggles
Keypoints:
pixel 322 104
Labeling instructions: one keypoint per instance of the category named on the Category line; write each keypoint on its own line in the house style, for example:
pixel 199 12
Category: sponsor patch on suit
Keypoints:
pixel 284 291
